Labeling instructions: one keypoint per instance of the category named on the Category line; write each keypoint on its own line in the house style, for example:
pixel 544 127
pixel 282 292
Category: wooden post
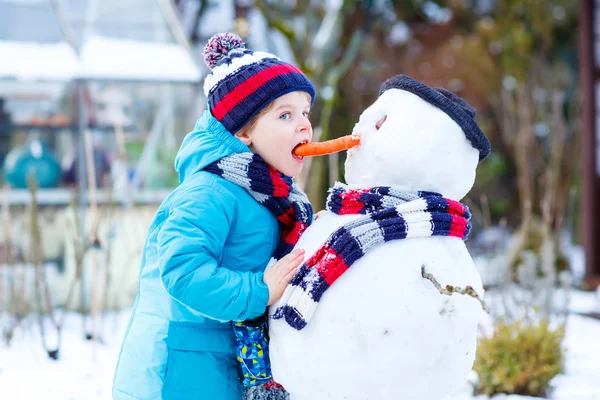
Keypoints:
pixel 590 183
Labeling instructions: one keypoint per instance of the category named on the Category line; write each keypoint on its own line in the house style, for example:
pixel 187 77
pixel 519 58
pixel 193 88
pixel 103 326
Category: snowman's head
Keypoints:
pixel 417 138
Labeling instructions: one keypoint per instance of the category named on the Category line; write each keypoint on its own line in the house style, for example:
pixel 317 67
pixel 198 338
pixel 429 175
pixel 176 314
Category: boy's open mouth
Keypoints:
pixel 299 158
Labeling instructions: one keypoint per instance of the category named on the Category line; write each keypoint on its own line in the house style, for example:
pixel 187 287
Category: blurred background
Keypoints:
pixel 96 96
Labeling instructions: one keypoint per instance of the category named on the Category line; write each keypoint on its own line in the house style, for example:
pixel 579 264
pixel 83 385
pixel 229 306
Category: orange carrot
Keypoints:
pixel 327 147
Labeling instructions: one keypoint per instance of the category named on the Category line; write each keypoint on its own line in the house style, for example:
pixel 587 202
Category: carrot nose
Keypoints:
pixel 327 147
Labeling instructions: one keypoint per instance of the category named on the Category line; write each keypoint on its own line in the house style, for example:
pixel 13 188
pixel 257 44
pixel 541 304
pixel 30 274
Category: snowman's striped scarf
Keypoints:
pixel 277 192
pixel 389 214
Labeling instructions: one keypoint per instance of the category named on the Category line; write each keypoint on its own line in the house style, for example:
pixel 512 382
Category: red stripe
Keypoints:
pixel 294 235
pixel 331 266
pixel 281 188
pixel 458 227
pixel 456 207
pixel 243 90
pixel 288 218
pixel 316 257
pixel 350 202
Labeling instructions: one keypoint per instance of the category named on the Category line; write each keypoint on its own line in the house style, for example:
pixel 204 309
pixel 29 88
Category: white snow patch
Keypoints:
pixel 107 58
pixel 30 61
pixel 85 370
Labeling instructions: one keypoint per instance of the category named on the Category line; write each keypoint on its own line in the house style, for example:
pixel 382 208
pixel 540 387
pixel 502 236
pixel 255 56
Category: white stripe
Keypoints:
pixel 389 202
pixel 222 71
pixel 418 224
pixel 367 235
pixel 403 194
pixel 302 302
pixel 297 297
pixel 237 179
pixel 261 198
pixel 235 170
pixel 412 206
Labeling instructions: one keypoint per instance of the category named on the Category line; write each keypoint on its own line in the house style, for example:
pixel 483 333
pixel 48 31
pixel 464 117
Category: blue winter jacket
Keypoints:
pixel 202 266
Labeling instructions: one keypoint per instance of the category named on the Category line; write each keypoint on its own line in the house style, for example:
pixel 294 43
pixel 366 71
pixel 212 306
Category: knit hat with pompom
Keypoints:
pixel 242 82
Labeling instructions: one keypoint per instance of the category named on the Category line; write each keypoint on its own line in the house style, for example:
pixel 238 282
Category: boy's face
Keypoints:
pixel 284 126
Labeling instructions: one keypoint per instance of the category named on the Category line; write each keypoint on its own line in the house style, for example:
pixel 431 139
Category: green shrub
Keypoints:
pixel 519 358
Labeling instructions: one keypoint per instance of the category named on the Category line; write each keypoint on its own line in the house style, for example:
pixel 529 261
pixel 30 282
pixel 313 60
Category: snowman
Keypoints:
pixel 367 317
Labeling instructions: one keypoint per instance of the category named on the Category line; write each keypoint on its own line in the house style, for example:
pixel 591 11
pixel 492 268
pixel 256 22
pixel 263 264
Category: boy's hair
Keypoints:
pixel 250 125
pixel 242 82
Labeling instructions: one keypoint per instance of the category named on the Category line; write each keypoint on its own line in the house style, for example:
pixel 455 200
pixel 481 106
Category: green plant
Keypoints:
pixel 519 358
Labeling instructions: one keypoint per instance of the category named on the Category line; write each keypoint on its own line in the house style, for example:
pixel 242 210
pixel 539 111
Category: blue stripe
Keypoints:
pixel 346 246
pixel 298 278
pixel 214 168
pixel 440 223
pixel 260 178
pixel 221 89
pixel 278 206
pixel 334 202
pixel 435 203
pixel 371 201
pixel 468 230
pixel 283 249
pixel 291 316
pixel 317 290
pixel 342 241
pixel 392 225
pixel 467 213
pixel 301 279
pixel 381 190
pixel 425 193
pixel 262 96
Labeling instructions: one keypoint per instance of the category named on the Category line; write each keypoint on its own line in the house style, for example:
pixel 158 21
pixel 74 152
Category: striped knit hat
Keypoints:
pixel 242 82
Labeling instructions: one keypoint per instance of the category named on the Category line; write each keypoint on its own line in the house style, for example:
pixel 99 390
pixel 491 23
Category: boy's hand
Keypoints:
pixel 279 274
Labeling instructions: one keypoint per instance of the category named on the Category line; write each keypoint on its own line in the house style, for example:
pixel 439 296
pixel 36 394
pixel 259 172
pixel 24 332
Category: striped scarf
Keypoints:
pixel 289 204
pixel 389 214
pixel 277 192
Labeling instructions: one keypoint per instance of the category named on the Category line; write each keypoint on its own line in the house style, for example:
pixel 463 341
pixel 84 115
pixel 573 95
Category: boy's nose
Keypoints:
pixel 304 125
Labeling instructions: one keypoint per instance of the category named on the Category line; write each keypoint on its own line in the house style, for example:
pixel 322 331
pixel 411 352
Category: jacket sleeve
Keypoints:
pixel 190 243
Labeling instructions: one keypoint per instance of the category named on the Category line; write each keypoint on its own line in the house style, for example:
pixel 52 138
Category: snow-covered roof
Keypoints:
pixel 104 58
pixel 30 61
pixel 101 59
pixel 136 40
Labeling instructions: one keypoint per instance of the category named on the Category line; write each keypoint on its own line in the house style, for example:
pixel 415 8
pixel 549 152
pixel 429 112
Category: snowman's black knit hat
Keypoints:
pixel 458 109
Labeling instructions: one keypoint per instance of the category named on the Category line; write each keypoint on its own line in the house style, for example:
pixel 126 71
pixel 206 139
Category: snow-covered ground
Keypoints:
pixel 83 372
pixel 85 369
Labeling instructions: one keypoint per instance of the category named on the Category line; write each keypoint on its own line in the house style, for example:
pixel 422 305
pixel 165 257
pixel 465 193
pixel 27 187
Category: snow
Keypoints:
pixel 119 59
pixel 582 352
pixel 101 58
pixel 30 61
pixel 85 370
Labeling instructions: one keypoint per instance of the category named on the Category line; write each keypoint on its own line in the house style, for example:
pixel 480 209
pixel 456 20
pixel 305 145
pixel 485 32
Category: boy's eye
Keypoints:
pixel 285 116
pixel 306 113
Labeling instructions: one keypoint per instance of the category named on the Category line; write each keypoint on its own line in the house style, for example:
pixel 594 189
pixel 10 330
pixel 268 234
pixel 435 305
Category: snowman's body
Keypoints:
pixel 382 331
